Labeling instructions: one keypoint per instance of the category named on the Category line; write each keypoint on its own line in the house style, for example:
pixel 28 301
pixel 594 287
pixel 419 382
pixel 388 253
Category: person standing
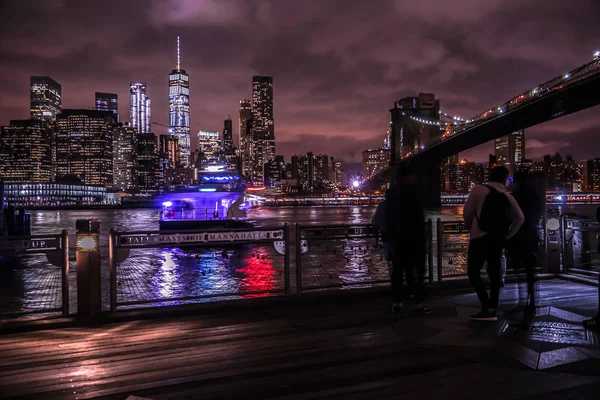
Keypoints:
pixel 523 247
pixel 594 323
pixel 492 216
pixel 405 229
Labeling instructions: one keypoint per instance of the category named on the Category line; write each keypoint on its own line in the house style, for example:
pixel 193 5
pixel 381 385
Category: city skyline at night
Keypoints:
pixel 334 84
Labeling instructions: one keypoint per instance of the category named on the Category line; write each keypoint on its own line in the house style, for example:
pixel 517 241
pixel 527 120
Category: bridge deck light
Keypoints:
pixel 597 54
pixel 567 76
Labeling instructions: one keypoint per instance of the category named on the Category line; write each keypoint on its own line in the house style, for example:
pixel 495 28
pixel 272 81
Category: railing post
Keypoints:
pixel 563 234
pixel 286 258
pixel 439 249
pixel 87 263
pixel 298 260
pixel 65 272
pixel 112 264
pixel 430 249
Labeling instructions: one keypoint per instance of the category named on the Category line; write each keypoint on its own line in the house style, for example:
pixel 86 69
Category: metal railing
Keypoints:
pixel 56 251
pixel 227 263
pixel 580 245
pixel 452 244
pixel 342 256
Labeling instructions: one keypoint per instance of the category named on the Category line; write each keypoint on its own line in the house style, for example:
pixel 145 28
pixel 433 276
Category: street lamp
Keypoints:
pixel 355 184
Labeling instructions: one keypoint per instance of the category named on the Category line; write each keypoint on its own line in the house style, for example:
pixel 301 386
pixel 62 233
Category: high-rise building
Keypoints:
pixel 179 110
pixel 510 149
pixel 147 164
pixel 26 152
pixel 168 157
pixel 168 147
pixel 46 98
pixel 301 169
pixel 338 174
pixel 108 102
pixel 263 127
pixel 210 150
pixel 415 121
pixel 374 161
pixel 246 137
pixel 229 149
pixel 274 171
pixel 139 108
pixel 467 175
pixel 84 146
pixel 125 157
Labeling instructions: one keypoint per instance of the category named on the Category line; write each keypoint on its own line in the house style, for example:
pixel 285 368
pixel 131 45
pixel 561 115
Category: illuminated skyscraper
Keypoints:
pixel 124 157
pixel 45 96
pixel 139 108
pixel 26 152
pixel 510 149
pixel 210 150
pixel 147 173
pixel 246 137
pixel 263 127
pixel 375 161
pixel 179 109
pixel 108 102
pixel 84 146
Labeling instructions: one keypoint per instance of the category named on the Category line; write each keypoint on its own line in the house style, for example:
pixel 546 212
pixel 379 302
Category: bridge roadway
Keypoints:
pixel 559 99
pixel 333 345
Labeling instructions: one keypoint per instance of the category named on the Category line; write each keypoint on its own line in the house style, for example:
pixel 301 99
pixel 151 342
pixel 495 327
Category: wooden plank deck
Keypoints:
pixel 346 350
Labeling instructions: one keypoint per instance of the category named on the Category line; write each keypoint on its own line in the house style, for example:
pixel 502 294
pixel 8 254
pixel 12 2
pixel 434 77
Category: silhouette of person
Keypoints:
pixel 405 229
pixel 522 248
pixel 492 216
pixel 594 323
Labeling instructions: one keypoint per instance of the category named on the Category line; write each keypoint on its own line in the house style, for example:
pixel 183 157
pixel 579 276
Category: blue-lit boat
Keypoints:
pixel 216 202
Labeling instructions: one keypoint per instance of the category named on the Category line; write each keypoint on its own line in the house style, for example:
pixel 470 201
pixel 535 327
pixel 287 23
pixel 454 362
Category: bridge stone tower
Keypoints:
pixel 410 133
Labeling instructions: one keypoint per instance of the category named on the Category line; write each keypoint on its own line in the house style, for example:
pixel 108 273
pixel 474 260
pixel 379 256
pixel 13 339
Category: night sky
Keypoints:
pixel 337 66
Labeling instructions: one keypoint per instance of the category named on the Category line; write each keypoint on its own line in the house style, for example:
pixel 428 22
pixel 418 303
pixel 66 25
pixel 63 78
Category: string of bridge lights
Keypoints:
pixel 460 121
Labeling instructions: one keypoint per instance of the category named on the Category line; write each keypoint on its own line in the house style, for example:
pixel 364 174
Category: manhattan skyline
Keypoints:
pixel 337 70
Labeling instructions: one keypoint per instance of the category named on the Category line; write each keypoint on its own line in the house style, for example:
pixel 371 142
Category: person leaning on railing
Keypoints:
pixel 594 323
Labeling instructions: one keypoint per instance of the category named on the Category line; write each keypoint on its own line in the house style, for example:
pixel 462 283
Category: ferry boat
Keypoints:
pixel 216 202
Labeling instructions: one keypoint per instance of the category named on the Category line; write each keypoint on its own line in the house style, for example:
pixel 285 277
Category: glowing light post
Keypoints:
pixel 87 264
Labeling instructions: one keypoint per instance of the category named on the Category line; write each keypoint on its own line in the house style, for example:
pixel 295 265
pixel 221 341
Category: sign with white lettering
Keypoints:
pixel 583 225
pixel 338 233
pixel 454 227
pixel 161 239
pixel 29 245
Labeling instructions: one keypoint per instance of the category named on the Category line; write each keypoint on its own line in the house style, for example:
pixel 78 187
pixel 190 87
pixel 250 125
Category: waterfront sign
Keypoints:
pixel 138 240
pixel 338 233
pixel 454 227
pixel 8 244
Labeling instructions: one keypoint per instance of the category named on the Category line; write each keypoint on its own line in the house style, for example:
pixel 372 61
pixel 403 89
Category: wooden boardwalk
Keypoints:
pixel 348 348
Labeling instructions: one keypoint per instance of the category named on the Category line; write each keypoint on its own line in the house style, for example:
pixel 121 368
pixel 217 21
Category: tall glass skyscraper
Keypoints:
pixel 108 102
pixel 179 109
pixel 246 137
pixel 45 96
pixel 139 108
pixel 263 128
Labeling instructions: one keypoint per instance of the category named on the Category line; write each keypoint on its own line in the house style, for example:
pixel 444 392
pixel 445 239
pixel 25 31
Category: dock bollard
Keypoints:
pixel 87 265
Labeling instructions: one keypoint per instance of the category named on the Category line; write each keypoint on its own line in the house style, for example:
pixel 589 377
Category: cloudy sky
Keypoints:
pixel 337 66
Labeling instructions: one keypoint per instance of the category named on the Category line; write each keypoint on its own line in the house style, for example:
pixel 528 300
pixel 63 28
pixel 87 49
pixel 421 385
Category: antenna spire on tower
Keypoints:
pixel 178 55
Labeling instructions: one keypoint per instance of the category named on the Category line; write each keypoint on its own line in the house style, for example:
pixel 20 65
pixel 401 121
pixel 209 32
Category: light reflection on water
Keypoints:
pixel 176 273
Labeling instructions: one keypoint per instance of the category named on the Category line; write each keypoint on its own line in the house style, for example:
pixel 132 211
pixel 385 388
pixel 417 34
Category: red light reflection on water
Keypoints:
pixel 259 274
